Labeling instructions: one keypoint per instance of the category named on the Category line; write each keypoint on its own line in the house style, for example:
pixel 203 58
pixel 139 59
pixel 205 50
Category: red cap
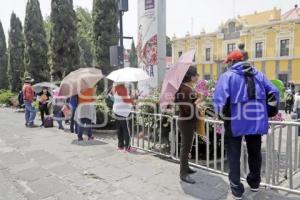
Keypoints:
pixel 234 56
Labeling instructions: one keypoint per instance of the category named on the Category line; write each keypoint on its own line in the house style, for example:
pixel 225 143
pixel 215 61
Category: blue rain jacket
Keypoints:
pixel 240 97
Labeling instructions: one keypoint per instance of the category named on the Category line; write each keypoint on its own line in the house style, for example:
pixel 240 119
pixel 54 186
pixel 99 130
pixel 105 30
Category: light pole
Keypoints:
pixel 123 7
pixel 117 51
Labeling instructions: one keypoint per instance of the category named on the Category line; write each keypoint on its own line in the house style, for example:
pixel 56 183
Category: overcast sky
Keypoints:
pixel 182 15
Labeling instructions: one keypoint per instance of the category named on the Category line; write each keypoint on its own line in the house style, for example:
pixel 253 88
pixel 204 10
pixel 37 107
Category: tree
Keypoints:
pixel 3 60
pixel 133 60
pixel 63 39
pixel 36 47
pixel 16 46
pixel 105 28
pixel 169 47
pixel 85 36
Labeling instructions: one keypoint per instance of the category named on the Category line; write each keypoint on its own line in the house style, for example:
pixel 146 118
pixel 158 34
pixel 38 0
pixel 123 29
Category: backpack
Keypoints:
pixel 289 98
pixel 48 122
pixel 272 105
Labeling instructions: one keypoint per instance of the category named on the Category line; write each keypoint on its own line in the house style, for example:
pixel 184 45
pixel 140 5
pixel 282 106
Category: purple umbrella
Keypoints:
pixel 174 78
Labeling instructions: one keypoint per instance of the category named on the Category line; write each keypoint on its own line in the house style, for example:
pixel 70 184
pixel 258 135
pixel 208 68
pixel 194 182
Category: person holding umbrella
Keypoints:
pixel 122 108
pixel 123 104
pixel 186 98
pixel 44 98
pixel 85 114
pixel 178 84
pixel 82 82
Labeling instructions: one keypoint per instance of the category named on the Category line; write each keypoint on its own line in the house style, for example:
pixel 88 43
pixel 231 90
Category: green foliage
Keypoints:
pixel 133 60
pixel 104 112
pixel 149 103
pixel 169 46
pixel 16 46
pixel 85 36
pixel 63 39
pixel 6 96
pixel 47 27
pixel 36 46
pixel 105 27
pixel 3 60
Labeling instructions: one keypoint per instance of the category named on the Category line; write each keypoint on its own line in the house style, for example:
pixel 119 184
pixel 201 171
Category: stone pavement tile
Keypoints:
pixel 113 193
pixel 161 193
pixel 142 171
pixel 50 198
pixel 32 174
pixel 42 157
pixel 12 158
pixel 85 163
pixel 8 191
pixel 79 180
pixel 266 195
pixel 167 179
pixel 36 153
pixel 118 159
pixel 63 170
pixel 19 144
pixel 109 173
pixel 70 195
pixel 47 187
pixel 120 195
pixel 135 186
pixel 5 149
pixel 207 187
pixel 96 189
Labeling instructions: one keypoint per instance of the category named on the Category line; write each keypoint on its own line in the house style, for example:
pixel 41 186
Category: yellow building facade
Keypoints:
pixel 272 40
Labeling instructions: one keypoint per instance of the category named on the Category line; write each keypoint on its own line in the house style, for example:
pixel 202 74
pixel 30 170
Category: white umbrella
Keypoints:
pixel 39 86
pixel 128 74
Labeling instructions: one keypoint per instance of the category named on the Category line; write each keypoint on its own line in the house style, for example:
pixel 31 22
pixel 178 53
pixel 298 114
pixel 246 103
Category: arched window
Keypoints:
pixel 231 27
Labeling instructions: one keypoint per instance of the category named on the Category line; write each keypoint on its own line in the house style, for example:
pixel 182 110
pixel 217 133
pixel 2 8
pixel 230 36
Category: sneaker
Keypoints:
pixel 120 148
pixel 237 191
pixel 31 125
pixel 80 139
pixel 237 197
pixel 91 138
pixel 131 149
pixel 254 189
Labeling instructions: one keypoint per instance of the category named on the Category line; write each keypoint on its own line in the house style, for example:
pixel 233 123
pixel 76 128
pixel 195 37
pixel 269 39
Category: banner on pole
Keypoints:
pixel 149 31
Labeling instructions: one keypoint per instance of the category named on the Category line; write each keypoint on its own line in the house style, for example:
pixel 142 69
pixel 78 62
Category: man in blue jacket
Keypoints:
pixel 240 98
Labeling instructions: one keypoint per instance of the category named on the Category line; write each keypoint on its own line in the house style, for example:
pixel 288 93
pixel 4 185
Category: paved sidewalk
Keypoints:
pixel 48 164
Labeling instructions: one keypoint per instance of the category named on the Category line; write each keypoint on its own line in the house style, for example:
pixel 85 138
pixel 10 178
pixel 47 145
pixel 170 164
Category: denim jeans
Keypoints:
pixel 84 125
pixel 30 112
pixel 58 118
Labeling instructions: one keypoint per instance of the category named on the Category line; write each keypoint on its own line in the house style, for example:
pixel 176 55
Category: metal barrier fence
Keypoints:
pixel 159 134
